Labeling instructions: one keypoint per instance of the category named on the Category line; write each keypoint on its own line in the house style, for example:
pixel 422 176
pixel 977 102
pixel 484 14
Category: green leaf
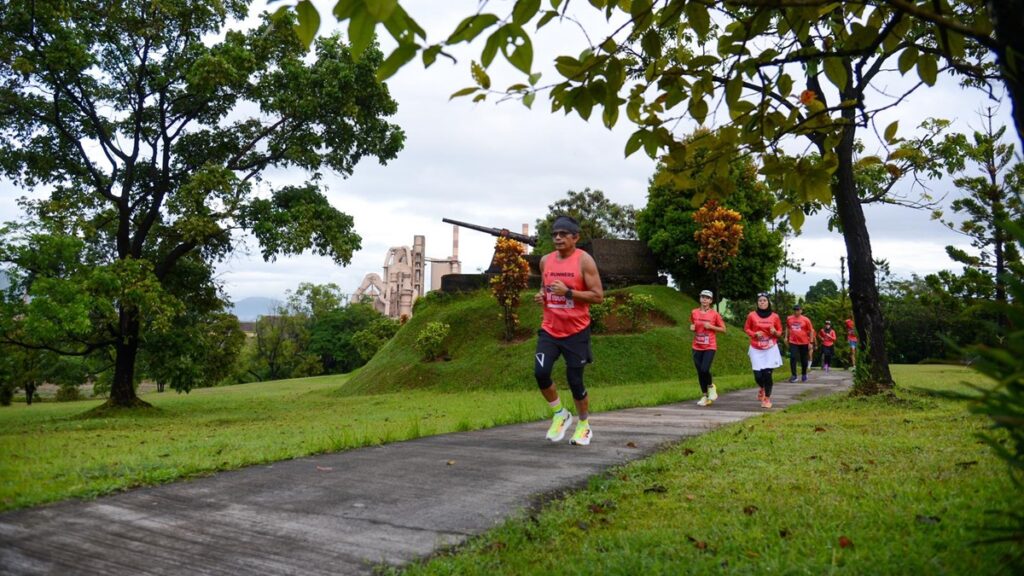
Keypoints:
pixel 785 85
pixel 308 24
pixel 733 89
pixel 534 78
pixel 430 55
pixel 381 9
pixel 636 140
pixel 524 10
pixel 480 97
pixel 928 69
pixel 344 9
pixel 528 99
pixel 471 27
pixel 360 31
pixel 463 92
pixel 698 109
pixel 521 55
pixel 567 66
pixel 651 44
pixel 400 57
pixel 835 71
pixel 907 59
pixel 480 75
pixel 610 116
pixel 490 50
pixel 546 18
pixel 890 132
pixel 698 18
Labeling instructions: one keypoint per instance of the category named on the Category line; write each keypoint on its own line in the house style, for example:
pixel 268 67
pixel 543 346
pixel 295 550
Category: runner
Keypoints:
pixel 764 328
pixel 704 323
pixel 570 284
pixel 800 337
pixel 851 338
pixel 828 340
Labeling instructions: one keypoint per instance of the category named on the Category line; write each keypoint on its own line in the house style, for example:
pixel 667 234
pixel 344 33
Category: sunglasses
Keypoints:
pixel 560 233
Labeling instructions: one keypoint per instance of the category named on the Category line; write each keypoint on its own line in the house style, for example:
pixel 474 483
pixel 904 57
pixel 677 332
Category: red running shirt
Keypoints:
pixel 851 332
pixel 828 337
pixel 704 339
pixel 800 329
pixel 755 323
pixel 564 316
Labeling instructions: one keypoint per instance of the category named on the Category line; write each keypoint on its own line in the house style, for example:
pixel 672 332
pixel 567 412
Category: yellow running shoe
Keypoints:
pixel 712 393
pixel 559 424
pixel 583 434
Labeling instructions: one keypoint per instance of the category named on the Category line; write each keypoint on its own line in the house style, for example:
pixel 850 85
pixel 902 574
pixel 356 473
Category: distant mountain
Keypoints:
pixel 250 309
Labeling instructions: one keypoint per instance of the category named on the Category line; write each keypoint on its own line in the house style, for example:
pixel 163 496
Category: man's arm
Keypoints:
pixel 539 296
pixel 594 294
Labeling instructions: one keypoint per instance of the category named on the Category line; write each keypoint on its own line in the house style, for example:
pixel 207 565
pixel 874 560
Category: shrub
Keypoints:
pixel 430 340
pixel 637 309
pixel 599 314
pixel 67 393
pixel 510 282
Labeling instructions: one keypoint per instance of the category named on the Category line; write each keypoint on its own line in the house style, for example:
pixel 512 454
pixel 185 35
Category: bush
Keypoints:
pixel 67 393
pixel 431 340
pixel 599 314
pixel 637 309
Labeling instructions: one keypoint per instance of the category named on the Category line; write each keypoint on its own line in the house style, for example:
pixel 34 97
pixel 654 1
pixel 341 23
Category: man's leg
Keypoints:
pixel 544 360
pixel 793 351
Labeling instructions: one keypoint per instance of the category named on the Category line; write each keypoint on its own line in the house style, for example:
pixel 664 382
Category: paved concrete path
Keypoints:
pixel 346 512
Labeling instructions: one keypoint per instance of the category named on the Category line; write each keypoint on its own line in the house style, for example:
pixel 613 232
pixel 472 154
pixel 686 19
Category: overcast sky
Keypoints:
pixel 501 165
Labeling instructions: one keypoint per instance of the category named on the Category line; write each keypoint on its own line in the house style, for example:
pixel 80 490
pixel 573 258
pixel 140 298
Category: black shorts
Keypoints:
pixel 575 348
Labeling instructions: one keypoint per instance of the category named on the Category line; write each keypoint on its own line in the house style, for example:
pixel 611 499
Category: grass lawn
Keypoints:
pixel 49 452
pixel 835 485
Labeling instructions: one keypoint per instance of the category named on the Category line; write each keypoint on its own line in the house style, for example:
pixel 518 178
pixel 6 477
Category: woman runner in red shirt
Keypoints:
pixel 764 328
pixel 704 323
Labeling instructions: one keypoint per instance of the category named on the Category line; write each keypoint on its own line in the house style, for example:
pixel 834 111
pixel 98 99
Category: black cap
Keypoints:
pixel 797 307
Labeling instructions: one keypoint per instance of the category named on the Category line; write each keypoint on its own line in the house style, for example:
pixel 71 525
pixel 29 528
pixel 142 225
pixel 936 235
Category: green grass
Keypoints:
pixel 50 451
pixel 835 485
pixel 481 360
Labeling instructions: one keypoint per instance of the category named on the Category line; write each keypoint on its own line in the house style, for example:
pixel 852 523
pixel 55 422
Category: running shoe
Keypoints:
pixel 559 424
pixel 766 403
pixel 704 401
pixel 712 393
pixel 792 378
pixel 803 378
pixel 583 434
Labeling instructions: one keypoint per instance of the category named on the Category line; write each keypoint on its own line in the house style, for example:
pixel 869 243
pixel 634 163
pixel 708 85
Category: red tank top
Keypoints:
pixel 564 316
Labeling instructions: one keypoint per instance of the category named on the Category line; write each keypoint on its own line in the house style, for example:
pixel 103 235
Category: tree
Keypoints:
pixel 598 216
pixel 719 238
pixel 668 227
pixel 663 60
pixel 822 289
pixel 371 339
pixel 990 201
pixel 149 142
pixel 509 283
pixel 332 337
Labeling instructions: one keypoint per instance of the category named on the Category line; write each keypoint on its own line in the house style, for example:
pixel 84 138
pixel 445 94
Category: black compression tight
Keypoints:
pixel 764 380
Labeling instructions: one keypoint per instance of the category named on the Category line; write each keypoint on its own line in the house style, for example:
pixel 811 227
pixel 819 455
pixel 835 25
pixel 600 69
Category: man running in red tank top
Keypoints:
pixel 570 284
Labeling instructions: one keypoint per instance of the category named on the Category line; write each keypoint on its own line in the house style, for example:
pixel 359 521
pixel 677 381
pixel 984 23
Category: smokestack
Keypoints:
pixel 455 242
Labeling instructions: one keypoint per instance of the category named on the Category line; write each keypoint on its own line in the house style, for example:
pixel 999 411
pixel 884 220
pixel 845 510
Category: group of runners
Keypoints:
pixel 570 283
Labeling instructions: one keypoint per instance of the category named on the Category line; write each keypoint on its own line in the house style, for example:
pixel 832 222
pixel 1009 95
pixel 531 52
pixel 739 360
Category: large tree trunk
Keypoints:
pixel 867 312
pixel 122 390
pixel 1008 20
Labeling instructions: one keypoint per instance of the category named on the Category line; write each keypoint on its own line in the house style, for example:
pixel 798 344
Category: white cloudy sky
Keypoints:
pixel 501 165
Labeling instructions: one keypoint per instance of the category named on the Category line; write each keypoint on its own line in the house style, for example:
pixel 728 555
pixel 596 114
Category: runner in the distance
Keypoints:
pixel 570 284
pixel 704 323
pixel 764 328
pixel 851 338
pixel 828 340
pixel 800 337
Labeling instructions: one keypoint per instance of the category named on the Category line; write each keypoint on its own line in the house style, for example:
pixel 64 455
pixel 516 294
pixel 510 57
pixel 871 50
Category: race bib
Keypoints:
pixel 703 338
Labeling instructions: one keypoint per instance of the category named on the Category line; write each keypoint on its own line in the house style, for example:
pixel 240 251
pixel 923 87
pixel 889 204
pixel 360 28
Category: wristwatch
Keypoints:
pixel 568 293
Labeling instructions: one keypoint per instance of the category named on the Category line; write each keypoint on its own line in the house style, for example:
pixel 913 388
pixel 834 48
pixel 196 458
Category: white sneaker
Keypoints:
pixel 712 393
pixel 703 401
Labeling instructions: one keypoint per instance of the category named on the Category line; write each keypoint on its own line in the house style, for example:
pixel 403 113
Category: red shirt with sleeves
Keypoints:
pixel 801 331
pixel 704 339
pixel 828 337
pixel 755 323
pixel 851 331
pixel 563 316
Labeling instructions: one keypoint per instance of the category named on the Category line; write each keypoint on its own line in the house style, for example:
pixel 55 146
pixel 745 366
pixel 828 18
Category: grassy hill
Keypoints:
pixel 479 359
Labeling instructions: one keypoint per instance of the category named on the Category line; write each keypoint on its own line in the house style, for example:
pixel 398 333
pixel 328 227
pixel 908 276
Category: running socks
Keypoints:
pixel 556 406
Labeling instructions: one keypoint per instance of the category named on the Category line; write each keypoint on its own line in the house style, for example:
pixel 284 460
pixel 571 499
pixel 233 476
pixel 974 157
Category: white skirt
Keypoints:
pixel 764 359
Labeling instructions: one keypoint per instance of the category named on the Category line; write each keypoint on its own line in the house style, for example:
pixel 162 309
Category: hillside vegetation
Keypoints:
pixel 479 359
